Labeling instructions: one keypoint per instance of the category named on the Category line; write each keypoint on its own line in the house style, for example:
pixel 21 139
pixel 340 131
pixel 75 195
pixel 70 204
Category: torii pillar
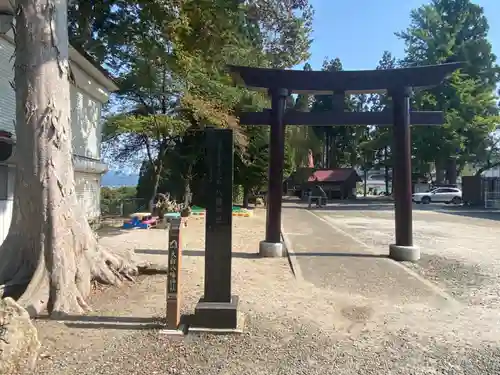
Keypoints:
pixel 272 245
pixel 403 249
pixel 396 82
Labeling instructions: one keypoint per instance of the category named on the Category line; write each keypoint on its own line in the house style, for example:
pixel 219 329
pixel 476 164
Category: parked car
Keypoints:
pixel 440 195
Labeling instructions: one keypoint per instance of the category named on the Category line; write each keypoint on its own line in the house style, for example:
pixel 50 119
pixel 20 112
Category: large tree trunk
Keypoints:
pixel 246 197
pixel 187 192
pixel 451 170
pixel 333 161
pixel 50 255
pixel 392 184
pixel 157 170
pixel 187 196
pixel 386 172
pixel 325 152
pixel 440 172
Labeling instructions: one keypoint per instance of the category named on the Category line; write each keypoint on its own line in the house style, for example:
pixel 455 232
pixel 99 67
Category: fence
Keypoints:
pixel 122 207
pixel 492 194
pixel 492 199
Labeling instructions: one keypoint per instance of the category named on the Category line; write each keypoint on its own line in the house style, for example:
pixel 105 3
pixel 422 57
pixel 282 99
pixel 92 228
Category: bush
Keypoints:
pixel 238 194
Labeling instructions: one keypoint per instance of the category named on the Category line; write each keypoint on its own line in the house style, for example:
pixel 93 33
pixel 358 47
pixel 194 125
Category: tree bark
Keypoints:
pixel 50 255
pixel 325 152
pixel 246 197
pixel 187 192
pixel 451 171
pixel 440 172
pixel 365 177
pixel 386 172
pixel 188 179
pixel 392 184
pixel 333 161
pixel 157 170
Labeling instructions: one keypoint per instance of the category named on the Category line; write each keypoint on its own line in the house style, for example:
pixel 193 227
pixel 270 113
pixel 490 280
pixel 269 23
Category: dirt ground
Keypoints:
pixel 292 326
pixel 460 246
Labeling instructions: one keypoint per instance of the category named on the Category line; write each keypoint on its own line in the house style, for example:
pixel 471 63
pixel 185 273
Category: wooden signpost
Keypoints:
pixel 173 282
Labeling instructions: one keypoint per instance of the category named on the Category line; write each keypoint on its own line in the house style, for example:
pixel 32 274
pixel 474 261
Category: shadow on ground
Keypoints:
pixel 347 255
pixel 109 231
pixel 107 322
pixel 363 205
pixel 194 253
pixel 352 206
pixel 473 212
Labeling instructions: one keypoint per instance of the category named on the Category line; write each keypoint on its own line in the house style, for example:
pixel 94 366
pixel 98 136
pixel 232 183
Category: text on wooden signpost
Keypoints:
pixel 174 265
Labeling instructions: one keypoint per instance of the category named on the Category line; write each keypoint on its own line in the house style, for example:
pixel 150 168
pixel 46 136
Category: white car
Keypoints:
pixel 441 195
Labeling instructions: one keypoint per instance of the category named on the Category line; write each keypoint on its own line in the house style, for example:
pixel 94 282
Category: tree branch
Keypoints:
pixel 148 150
pixel 487 167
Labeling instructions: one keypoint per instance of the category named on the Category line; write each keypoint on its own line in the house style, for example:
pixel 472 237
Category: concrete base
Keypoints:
pixel 271 249
pixel 177 333
pixel 404 253
pixel 240 324
pixel 215 315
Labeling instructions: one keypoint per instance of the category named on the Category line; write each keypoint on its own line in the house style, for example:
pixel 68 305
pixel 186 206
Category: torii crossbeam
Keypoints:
pixel 397 83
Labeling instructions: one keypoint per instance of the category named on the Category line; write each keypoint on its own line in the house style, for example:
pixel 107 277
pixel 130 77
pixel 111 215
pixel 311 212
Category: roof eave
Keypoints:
pixel 351 82
pixel 89 68
pixel 83 62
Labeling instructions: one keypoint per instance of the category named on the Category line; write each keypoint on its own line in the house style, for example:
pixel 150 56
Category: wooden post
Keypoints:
pixel 173 277
pixel 402 167
pixel 276 164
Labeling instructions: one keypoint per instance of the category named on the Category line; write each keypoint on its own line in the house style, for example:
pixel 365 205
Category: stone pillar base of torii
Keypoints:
pixel 404 253
pixel 215 315
pixel 403 249
pixel 271 249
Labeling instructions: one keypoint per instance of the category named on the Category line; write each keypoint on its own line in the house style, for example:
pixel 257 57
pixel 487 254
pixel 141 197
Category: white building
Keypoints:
pixel 375 181
pixel 493 172
pixel 89 92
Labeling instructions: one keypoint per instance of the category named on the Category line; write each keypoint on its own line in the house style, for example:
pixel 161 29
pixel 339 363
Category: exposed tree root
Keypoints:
pixel 65 291
pixel 51 256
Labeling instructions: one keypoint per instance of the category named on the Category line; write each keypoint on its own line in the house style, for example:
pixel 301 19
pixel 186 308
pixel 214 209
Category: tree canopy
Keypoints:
pixel 169 59
pixel 170 56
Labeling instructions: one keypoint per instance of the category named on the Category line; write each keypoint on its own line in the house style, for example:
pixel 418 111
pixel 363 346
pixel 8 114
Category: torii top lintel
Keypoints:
pixel 356 81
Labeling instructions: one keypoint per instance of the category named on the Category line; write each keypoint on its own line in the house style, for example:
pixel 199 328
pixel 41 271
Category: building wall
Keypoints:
pixel 6 199
pixel 7 115
pixel 88 191
pixel 86 103
pixel 493 172
pixel 7 97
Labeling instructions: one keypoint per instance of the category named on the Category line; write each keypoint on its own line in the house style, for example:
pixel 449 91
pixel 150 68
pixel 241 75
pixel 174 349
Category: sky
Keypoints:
pixel 359 31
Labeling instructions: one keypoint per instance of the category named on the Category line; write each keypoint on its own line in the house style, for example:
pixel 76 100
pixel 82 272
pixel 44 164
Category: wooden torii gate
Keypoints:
pixel 398 83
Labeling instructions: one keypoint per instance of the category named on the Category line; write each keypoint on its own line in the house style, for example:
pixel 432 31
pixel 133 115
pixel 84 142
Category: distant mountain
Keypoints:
pixel 117 179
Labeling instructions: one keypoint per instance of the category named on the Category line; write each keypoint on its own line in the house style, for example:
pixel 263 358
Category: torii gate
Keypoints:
pixel 398 83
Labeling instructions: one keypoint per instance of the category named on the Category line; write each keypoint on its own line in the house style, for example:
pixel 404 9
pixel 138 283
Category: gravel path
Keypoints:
pixel 291 327
pixel 459 253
